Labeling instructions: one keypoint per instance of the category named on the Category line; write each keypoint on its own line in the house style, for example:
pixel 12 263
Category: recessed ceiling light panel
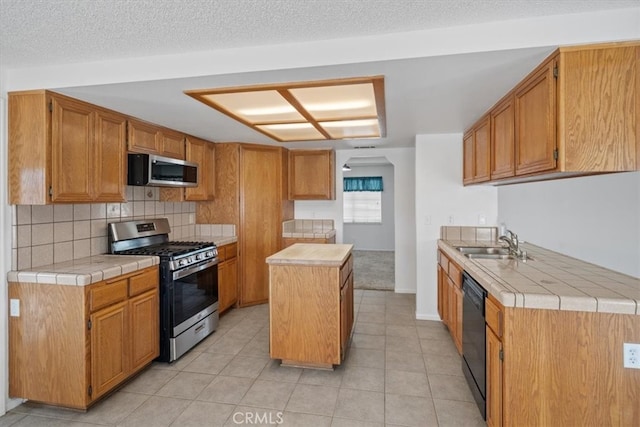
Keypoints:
pixel 305 111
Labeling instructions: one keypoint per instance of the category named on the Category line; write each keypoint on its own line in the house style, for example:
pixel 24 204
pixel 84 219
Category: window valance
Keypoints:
pixel 366 183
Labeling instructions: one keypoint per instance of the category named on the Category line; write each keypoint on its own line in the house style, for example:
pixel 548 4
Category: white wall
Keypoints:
pixel 404 209
pixel 374 237
pixel 595 218
pixel 440 198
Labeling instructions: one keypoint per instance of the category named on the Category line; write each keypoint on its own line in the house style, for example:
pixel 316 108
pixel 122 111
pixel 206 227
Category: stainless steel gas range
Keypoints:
pixel 188 281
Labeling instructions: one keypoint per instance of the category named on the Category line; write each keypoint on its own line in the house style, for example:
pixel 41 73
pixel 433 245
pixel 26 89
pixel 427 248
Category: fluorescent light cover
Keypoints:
pixel 349 123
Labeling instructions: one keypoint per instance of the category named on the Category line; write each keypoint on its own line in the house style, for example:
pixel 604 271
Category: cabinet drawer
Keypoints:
pixel 231 250
pixel 143 282
pixel 455 273
pixel 444 262
pixel 107 294
pixel 493 316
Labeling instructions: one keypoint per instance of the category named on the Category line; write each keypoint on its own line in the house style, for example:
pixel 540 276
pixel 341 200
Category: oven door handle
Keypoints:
pixel 194 269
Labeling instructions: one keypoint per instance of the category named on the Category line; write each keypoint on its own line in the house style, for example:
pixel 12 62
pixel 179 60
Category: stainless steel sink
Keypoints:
pixel 481 252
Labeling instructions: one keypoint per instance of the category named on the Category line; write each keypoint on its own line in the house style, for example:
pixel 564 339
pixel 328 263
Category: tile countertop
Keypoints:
pixel 549 281
pixel 323 254
pixel 218 240
pixel 84 271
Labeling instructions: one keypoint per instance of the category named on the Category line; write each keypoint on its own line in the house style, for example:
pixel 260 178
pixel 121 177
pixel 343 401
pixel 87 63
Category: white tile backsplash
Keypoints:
pixel 45 234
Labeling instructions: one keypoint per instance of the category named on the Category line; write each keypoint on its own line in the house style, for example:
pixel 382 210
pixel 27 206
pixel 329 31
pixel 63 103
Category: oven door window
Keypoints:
pixel 194 293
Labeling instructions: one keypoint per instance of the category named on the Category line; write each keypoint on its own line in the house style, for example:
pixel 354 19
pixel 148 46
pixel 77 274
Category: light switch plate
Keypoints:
pixel 14 307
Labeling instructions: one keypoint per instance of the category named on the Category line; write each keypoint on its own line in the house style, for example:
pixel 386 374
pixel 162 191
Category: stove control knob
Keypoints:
pixel 183 261
pixel 210 254
pixel 199 256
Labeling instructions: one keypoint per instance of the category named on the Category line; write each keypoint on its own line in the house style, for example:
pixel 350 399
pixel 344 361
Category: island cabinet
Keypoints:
pixel 251 193
pixel 312 175
pixel 575 114
pixel 70 345
pixel 227 276
pixel 311 304
pixel 144 137
pixel 202 153
pixel 288 241
pixel 494 317
pixel 450 297
pixel 62 150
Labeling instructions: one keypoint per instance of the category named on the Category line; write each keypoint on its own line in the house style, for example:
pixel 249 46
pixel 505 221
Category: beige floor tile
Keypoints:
pixel 401 331
pixel 359 378
pixel 436 331
pixel 250 416
pixel 248 367
pixel 156 411
pixel 374 342
pixel 403 344
pixel 228 345
pixel 294 419
pixel 364 357
pixel 445 365
pixel 320 377
pixel 370 317
pixel 274 372
pixel 39 421
pixel 362 327
pixel 32 408
pixel 208 363
pixel 345 422
pixel 372 308
pixel 360 405
pixel 404 361
pixel 407 383
pixel 268 394
pixel 226 389
pixel 150 381
pixel 112 410
pixel 409 411
pixel 452 413
pixel 449 387
pixel 10 418
pixel 444 347
pixel 395 317
pixel 199 414
pixel 313 399
pixel 373 300
pixel 185 385
pixel 256 347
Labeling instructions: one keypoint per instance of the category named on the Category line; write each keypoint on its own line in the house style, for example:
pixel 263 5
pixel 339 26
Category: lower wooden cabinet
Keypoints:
pixel 494 316
pixel 450 297
pixel 227 276
pixel 70 345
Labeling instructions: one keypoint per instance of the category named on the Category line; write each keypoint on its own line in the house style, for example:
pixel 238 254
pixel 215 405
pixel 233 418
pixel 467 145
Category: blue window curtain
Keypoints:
pixel 365 183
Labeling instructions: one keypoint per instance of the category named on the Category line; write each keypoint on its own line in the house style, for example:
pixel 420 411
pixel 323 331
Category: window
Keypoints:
pixel 363 200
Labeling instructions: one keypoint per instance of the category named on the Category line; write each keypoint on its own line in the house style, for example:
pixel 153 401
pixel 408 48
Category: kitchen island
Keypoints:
pixel 555 333
pixel 310 304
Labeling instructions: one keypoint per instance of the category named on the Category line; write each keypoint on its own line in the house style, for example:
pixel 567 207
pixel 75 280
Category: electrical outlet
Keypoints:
pixel 631 353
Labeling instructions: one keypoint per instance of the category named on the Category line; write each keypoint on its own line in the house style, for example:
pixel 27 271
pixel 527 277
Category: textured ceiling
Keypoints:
pixel 37 32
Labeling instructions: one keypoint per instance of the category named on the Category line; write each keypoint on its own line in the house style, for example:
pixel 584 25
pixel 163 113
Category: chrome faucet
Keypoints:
pixel 512 240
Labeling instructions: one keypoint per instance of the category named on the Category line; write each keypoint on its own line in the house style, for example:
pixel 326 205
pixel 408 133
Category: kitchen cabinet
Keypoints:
pixel 62 150
pixel 575 114
pixel 312 175
pixel 494 315
pixel 148 138
pixel 70 345
pixel 227 276
pixel 251 193
pixel 450 297
pixel 203 153
pixel 476 160
pixel 288 241
pixel 311 307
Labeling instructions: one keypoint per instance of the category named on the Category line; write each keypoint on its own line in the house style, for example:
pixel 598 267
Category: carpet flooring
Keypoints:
pixel 374 270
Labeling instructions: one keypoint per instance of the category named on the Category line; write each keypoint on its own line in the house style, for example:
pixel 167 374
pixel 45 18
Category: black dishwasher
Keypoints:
pixel 474 340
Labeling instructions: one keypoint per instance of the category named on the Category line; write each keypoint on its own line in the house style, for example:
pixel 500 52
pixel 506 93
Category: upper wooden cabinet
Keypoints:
pixel 578 113
pixel 312 175
pixel 148 138
pixel 476 153
pixel 62 150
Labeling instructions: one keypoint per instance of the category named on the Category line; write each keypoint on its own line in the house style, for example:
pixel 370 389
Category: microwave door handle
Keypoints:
pixel 194 269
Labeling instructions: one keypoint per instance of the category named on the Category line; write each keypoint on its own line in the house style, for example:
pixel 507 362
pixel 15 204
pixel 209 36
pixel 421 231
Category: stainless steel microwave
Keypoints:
pixel 149 169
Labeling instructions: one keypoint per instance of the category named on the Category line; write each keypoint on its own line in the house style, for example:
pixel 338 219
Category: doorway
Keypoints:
pixel 369 221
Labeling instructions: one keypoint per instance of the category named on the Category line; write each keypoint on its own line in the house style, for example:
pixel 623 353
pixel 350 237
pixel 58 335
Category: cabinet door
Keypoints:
pixel 210 170
pixel 109 348
pixel 440 293
pixel 72 127
pixel 312 175
pixel 535 121
pixel 110 156
pixel 494 380
pixel 481 151
pixel 143 137
pixel 457 331
pixel 346 314
pixel 196 151
pixel 145 328
pixel 227 284
pixel 172 144
pixel 468 166
pixel 502 140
